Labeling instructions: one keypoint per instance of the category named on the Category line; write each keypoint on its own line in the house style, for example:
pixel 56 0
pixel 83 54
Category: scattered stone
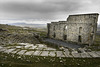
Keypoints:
pixel 81 50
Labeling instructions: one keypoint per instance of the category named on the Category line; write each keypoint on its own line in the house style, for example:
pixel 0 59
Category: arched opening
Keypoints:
pixel 92 30
pixel 79 38
pixel 80 29
pixel 54 28
pixel 65 28
pixel 65 37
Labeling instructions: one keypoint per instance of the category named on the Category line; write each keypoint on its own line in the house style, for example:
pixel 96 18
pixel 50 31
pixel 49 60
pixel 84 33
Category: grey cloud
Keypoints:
pixel 48 9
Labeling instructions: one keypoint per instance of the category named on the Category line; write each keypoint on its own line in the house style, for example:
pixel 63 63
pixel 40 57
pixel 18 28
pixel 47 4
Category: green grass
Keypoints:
pixel 14 60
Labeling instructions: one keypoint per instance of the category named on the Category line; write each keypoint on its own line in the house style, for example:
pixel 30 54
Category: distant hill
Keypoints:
pixel 29 25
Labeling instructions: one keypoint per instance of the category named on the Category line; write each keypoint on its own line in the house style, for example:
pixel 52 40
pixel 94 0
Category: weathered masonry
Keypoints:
pixel 80 28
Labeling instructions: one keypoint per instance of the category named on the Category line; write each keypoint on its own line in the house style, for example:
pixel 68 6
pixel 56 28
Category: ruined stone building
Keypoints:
pixel 79 28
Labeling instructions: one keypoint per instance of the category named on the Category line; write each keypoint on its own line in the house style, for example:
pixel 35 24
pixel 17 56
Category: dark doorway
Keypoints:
pixel 65 37
pixel 79 38
pixel 54 35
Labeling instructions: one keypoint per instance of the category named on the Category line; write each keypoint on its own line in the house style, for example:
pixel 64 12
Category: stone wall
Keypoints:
pixel 78 28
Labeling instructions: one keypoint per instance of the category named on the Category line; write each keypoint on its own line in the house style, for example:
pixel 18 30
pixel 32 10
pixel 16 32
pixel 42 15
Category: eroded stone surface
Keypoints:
pixel 29 53
pixel 9 50
pixel 60 54
pixel 98 52
pixel 84 55
pixel 37 53
pixel 44 53
pixel 93 54
pixel 22 52
pixel 42 50
pixel 79 28
pixel 76 54
pixel 52 53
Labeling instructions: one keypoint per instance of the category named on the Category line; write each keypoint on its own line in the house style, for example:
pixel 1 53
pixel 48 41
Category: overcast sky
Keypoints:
pixel 44 11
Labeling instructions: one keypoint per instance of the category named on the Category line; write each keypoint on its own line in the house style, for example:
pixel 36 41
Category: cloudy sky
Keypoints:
pixel 43 11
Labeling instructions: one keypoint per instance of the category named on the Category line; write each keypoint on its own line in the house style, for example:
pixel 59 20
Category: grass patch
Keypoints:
pixel 14 60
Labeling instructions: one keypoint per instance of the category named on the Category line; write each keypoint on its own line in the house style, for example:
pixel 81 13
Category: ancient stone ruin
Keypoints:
pixel 79 28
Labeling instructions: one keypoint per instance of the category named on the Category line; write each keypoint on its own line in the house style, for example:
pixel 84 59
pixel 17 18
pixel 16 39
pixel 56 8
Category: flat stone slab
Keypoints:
pixel 29 53
pixel 60 54
pixel 33 47
pixel 66 53
pixel 37 53
pixel 9 50
pixel 28 46
pixel 19 46
pixel 52 53
pixel 15 51
pixel 76 55
pixel 41 45
pixel 93 54
pixel 98 52
pixel 85 55
pixel 44 53
pixel 50 48
pixel 25 44
pixel 39 48
pixel 22 52
pixel 9 47
pixel 3 49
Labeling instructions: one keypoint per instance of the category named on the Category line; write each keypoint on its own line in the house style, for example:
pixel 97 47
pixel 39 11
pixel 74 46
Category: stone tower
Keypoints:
pixel 79 28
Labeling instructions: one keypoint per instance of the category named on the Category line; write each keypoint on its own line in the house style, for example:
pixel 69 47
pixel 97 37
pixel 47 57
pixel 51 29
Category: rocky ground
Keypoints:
pixel 29 42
